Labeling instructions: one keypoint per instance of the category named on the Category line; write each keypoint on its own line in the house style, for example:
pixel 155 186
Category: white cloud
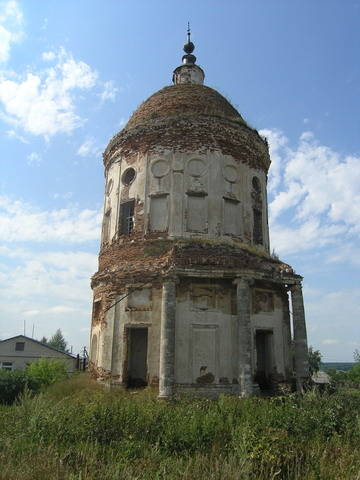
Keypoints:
pixel 52 282
pixel 61 309
pixel 316 190
pixel 23 222
pixel 88 148
pixel 51 289
pixel 31 313
pixel 277 147
pixel 34 159
pixel 13 135
pixel 109 92
pixel 65 196
pixel 330 342
pixel 44 102
pixel 348 253
pixel 11 22
pixel 48 56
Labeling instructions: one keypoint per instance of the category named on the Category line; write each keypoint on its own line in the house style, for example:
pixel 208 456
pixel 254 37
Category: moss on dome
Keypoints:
pixel 184 99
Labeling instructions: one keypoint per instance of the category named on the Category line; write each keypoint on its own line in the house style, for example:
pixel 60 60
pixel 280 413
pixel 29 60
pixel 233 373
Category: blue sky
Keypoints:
pixel 72 73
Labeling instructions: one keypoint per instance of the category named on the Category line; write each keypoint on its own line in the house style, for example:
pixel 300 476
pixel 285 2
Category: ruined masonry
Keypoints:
pixel 187 297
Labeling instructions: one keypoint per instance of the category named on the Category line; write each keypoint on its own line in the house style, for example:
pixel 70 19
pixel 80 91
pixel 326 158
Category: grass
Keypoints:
pixel 76 430
pixel 253 249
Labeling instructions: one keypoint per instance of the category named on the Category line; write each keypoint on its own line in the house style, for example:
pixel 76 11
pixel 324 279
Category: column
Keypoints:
pixel 167 338
pixel 106 337
pixel 116 344
pixel 300 337
pixel 244 337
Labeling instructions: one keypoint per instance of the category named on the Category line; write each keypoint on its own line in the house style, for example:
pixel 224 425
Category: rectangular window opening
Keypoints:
pixel 6 366
pixel 127 217
pixel 20 346
pixel 257 232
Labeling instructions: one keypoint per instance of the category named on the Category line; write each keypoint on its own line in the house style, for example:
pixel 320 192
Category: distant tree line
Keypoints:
pixel 350 378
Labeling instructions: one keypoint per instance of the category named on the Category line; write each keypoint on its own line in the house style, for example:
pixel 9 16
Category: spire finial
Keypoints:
pixel 188 48
pixel 188 72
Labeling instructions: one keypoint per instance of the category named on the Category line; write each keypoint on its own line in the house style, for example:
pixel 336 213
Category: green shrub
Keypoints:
pixel 11 384
pixel 354 374
pixel 45 372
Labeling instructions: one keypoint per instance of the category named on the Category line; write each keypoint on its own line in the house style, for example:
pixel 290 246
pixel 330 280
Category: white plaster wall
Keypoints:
pixel 105 341
pixel 203 339
pixel 182 175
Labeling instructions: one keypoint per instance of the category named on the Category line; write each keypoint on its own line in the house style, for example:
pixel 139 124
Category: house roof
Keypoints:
pixel 24 337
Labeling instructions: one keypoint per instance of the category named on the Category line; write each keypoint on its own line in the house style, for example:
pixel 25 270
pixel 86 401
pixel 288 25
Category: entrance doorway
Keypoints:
pixel 264 358
pixel 137 357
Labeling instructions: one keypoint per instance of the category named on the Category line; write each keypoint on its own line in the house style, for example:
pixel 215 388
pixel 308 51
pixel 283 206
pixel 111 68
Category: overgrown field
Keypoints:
pixel 77 431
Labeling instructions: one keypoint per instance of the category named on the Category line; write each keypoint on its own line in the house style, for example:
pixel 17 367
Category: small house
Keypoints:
pixel 16 353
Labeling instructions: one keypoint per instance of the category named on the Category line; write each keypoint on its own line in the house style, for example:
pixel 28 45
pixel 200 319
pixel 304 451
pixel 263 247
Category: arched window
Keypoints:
pixel 257 230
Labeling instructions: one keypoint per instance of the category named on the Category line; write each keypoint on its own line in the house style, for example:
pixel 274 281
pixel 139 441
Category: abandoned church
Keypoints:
pixel 187 297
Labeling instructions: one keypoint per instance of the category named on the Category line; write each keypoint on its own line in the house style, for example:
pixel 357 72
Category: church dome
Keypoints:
pixel 185 99
pixel 189 117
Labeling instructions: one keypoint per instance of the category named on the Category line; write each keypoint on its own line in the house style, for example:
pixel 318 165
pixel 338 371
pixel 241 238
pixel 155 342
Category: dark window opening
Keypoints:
pixel 127 217
pixel 257 232
pixel 256 184
pixel 264 359
pixel 137 357
pixel 96 309
pixel 20 346
pixel 6 366
pixel 128 176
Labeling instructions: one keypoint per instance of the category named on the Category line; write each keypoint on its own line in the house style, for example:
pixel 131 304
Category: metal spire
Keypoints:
pixel 188 48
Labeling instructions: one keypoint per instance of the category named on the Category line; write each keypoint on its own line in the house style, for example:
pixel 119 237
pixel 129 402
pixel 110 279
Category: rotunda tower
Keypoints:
pixel 187 296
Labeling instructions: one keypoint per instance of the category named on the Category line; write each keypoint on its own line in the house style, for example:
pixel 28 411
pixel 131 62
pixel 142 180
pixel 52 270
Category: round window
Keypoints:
pixel 128 176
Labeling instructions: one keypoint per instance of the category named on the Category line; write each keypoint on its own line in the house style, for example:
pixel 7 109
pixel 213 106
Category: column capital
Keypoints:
pixel 170 279
pixel 243 281
pixel 297 287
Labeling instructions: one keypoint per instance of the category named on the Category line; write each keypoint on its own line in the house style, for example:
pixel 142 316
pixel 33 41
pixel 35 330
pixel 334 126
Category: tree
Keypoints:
pixel 357 356
pixel 315 360
pixel 354 372
pixel 58 341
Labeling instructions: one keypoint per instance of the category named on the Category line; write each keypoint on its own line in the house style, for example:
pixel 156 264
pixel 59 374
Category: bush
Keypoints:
pixel 11 384
pixel 38 375
pixel 354 374
pixel 45 372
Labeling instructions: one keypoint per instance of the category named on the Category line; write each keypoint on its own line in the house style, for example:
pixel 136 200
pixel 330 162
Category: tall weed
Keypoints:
pixel 76 430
